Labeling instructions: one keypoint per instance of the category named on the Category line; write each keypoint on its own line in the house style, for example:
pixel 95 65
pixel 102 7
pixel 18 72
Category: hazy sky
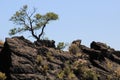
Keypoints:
pixel 88 20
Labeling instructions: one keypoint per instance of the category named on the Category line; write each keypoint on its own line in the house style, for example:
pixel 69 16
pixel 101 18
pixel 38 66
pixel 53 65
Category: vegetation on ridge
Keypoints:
pixel 31 21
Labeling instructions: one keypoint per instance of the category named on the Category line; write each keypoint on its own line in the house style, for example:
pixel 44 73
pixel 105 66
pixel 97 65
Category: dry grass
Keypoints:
pixel 1 42
pixel 117 72
pixel 2 76
pixel 74 49
pixel 109 65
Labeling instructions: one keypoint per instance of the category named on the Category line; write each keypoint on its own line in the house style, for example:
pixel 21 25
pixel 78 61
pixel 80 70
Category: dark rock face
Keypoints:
pixel 18 59
pixel 1 46
pixel 99 46
pixel 47 43
pixel 21 59
pixel 105 50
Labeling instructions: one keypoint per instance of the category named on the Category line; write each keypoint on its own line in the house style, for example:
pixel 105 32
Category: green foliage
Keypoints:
pixel 109 77
pixel 49 56
pixel 31 21
pixel 61 45
pixel 90 75
pixel 2 76
pixel 39 59
pixel 60 75
pixel 67 72
pixel 51 16
pixel 85 72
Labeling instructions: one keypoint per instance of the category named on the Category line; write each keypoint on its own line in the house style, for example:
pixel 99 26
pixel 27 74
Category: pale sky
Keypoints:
pixel 88 20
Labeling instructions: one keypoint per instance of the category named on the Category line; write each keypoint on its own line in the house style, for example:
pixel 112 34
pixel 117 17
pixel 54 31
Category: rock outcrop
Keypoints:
pixel 21 59
pixel 17 59
pixel 47 43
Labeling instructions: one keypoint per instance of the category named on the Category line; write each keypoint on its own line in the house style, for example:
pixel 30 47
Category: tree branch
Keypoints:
pixel 34 10
pixel 43 29
pixel 31 27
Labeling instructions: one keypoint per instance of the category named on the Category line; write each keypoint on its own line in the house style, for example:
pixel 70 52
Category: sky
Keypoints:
pixel 87 20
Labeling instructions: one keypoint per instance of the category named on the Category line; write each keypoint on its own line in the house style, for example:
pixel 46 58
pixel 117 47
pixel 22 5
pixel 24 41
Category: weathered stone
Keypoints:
pixel 21 59
pixel 47 43
pixel 99 46
pixel 77 42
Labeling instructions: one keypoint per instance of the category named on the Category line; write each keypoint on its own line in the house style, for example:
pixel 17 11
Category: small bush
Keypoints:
pixel 74 49
pixel 45 68
pixel 2 76
pixel 61 74
pixel 90 75
pixel 117 72
pixel 61 45
pixel 109 77
pixel 85 72
pixel 67 73
pixel 39 59
pixel 109 65
pixel 49 56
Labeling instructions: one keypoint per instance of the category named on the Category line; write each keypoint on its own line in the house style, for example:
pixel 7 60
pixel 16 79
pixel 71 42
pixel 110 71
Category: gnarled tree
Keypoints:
pixel 31 21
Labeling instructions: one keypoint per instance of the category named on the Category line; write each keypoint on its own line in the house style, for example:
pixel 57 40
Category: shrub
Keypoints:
pixel 90 75
pixel 2 76
pixel 74 49
pixel 49 56
pixel 117 72
pixel 45 69
pixel 67 72
pixel 109 77
pixel 61 74
pixel 61 45
pixel 109 65
pixel 82 70
pixel 39 59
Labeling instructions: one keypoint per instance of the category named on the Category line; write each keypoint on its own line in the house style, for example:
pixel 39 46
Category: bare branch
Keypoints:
pixel 31 27
pixel 34 10
pixel 43 29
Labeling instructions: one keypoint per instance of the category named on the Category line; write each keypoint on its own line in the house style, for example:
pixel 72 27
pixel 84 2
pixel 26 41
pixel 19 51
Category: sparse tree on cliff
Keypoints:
pixel 31 21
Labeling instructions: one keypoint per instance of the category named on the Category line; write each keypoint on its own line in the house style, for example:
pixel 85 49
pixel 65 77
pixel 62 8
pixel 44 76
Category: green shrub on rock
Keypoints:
pixel 2 76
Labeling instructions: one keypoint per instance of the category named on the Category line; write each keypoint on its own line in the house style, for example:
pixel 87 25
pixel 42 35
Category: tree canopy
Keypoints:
pixel 31 21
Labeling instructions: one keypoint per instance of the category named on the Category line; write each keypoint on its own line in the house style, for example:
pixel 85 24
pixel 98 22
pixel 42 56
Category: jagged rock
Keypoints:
pixel 99 46
pixel 105 50
pixel 47 43
pixel 94 54
pixel 77 42
pixel 21 59
pixel 18 57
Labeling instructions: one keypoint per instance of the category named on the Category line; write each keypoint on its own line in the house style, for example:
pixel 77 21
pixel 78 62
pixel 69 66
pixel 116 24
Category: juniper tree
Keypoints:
pixel 31 21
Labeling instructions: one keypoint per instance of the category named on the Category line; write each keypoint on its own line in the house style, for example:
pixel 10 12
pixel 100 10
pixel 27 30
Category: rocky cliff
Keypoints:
pixel 21 59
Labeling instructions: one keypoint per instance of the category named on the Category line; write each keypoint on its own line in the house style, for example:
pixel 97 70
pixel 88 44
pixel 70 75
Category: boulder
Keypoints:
pixel 99 46
pixel 47 43
pixel 77 42
pixel 18 59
